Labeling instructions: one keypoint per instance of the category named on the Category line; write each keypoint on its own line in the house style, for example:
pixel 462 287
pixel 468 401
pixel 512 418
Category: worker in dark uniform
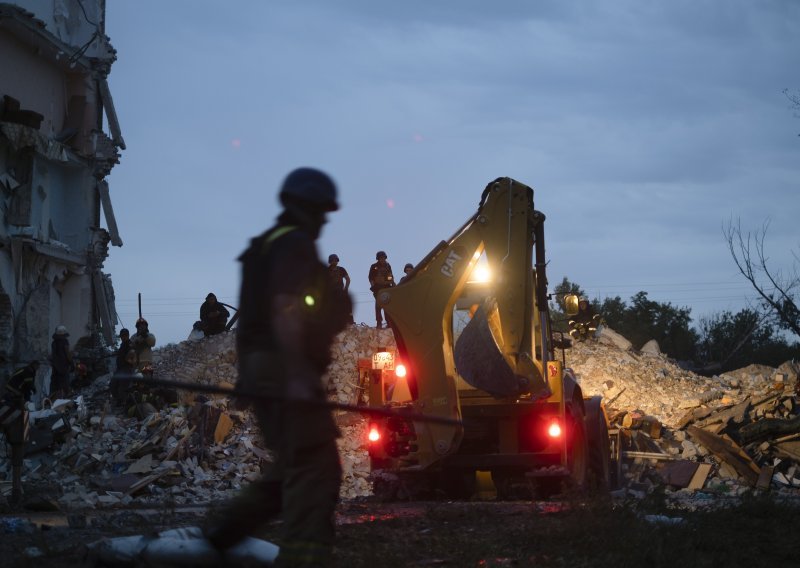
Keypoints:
pixel 380 277
pixel 213 315
pixel 407 269
pixel 338 276
pixel 124 347
pixel 14 418
pixel 289 317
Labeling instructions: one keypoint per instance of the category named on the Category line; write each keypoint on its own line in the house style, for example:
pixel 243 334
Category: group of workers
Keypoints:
pixel 380 277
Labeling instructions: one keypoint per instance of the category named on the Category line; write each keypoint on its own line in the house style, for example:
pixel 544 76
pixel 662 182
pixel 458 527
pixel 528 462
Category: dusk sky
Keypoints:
pixel 643 127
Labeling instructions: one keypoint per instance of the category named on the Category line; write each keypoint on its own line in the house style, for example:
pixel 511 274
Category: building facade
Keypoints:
pixel 59 140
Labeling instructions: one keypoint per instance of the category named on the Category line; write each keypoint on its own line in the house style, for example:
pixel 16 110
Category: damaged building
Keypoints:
pixel 59 140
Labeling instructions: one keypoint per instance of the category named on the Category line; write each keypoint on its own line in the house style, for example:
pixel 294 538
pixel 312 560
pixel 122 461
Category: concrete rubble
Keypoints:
pixel 672 425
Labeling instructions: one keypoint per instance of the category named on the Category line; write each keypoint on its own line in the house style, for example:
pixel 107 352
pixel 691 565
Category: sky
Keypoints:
pixel 644 128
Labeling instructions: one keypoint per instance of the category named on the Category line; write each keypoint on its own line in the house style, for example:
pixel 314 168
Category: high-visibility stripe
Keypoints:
pixel 276 234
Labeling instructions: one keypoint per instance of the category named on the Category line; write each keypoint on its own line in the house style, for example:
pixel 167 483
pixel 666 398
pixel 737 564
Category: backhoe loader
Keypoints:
pixel 482 351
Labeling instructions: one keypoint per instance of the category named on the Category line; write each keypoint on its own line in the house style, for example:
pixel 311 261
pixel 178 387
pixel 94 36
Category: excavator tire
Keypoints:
pixel 599 446
pixel 578 454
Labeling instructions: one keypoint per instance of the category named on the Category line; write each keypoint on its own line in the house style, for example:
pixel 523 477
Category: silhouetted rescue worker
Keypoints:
pixel 380 277
pixel 407 269
pixel 13 418
pixel 289 317
pixel 124 347
pixel 213 315
pixel 143 342
pixel 338 277
pixel 585 321
pixel 61 360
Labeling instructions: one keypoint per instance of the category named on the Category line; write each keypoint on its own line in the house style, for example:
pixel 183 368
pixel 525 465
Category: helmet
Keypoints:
pixel 309 188
pixel 407 266
pixel 124 331
pixel 141 322
pixel 61 330
pixel 333 258
pixel 210 295
pixel 380 254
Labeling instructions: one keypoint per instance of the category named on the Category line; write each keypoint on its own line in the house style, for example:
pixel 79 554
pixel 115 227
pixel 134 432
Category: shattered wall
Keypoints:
pixel 54 157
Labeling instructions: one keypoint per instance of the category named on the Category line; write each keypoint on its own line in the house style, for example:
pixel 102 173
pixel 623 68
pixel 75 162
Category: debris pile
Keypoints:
pixel 197 450
pixel 725 434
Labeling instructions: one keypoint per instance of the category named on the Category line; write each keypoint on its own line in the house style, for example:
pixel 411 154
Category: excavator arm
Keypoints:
pixel 503 350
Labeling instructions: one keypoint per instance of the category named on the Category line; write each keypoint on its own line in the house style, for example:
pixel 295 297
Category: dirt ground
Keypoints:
pixel 751 532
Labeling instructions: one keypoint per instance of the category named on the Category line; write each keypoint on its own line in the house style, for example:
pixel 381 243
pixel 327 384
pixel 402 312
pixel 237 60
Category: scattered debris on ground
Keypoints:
pixel 694 436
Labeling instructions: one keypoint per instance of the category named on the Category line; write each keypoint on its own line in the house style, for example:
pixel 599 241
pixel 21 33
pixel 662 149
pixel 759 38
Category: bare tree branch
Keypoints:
pixel 781 297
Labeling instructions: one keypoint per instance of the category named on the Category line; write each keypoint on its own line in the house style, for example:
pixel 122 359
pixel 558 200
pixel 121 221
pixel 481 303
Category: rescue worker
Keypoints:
pixel 121 383
pixel 338 277
pixel 584 324
pixel 213 316
pixel 143 342
pixel 407 269
pixel 289 317
pixel 61 360
pixel 380 277
pixel 13 420
pixel 124 347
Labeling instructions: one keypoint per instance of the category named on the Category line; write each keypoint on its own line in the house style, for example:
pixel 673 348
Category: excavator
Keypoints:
pixel 481 351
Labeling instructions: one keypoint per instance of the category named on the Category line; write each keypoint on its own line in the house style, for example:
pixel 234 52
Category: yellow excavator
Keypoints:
pixel 481 350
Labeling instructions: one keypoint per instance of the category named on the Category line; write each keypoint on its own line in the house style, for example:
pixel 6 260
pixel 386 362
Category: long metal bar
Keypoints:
pixel 211 389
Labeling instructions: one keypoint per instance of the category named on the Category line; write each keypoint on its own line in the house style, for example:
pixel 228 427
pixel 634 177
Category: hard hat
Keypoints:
pixel 407 266
pixel 140 322
pixel 61 330
pixel 309 188
pixel 380 254
pixel 125 331
pixel 210 295
pixel 333 258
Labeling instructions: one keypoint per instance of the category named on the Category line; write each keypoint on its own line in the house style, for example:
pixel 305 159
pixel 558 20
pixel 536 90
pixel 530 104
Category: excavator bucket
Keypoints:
pixel 479 358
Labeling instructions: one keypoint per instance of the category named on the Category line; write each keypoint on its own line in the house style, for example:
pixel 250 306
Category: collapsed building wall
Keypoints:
pixel 54 158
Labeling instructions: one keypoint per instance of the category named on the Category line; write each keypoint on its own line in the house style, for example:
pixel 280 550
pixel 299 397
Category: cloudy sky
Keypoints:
pixel 642 126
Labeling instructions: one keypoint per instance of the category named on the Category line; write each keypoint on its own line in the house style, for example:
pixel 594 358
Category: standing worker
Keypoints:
pixel 289 318
pixel 143 342
pixel 124 347
pixel 61 360
pixel 338 277
pixel 380 277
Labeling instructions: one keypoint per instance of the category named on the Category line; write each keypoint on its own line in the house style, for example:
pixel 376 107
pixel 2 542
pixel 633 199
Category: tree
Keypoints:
pixel 647 319
pixel 731 341
pixel 794 98
pixel 777 292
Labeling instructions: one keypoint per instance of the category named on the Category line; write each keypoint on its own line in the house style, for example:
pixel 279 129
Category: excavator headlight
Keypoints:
pixel 482 274
pixel 400 371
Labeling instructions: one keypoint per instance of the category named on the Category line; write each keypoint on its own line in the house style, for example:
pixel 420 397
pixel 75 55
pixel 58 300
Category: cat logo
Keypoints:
pixel 448 268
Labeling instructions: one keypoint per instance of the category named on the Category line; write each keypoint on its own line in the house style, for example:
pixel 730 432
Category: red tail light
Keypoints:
pixel 554 429
pixel 374 434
